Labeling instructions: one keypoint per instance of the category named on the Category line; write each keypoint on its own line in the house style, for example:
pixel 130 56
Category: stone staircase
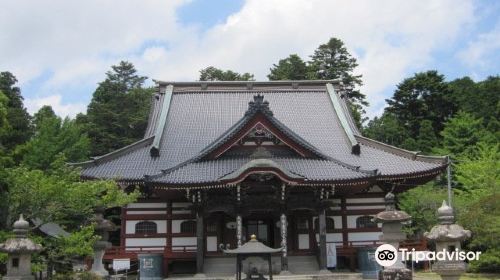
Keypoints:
pixel 220 266
pixel 303 264
pixel 301 268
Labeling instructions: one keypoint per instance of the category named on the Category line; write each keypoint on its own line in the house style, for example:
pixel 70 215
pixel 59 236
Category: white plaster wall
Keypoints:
pixel 181 204
pixel 148 205
pixel 303 241
pixel 160 225
pixel 184 241
pixel 331 237
pixel 365 200
pixel 176 225
pixel 146 212
pixel 212 243
pixel 139 242
pixel 363 236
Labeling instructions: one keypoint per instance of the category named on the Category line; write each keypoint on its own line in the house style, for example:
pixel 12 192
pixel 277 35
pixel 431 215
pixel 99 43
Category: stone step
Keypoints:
pixel 220 266
pixel 334 276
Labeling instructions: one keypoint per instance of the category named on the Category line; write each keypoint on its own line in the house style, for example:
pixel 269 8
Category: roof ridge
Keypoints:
pixel 413 155
pixel 116 153
pixel 160 126
pixel 344 122
pixel 245 83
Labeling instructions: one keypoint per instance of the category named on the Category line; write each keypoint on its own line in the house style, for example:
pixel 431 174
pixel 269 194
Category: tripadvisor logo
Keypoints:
pixel 387 255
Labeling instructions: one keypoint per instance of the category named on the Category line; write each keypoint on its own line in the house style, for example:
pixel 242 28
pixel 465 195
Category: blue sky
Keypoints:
pixel 60 50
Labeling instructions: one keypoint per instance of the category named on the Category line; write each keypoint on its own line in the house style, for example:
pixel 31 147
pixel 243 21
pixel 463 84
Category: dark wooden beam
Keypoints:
pixel 200 244
pixel 322 240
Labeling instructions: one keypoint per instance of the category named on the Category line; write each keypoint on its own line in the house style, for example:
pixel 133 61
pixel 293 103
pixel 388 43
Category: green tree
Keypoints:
pixel 478 175
pixel 19 130
pixel 481 99
pixel 333 61
pixel 215 74
pixel 426 140
pixel 290 68
pixel 421 204
pixel 425 96
pixel 386 129
pixel 54 137
pixel 117 113
pixel 461 134
pixel 58 195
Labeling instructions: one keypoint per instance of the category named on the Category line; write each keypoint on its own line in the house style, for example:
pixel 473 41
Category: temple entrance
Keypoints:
pixel 262 228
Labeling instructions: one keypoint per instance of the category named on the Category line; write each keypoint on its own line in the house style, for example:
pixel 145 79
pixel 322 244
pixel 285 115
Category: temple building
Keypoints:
pixel 283 160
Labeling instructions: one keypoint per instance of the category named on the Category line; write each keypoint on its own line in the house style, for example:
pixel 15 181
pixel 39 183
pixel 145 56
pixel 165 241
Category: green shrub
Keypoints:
pixel 489 261
pixel 87 275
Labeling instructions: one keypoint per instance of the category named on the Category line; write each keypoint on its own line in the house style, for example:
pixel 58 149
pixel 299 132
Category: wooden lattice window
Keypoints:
pixel 330 224
pixel 146 227
pixel 365 222
pixel 212 227
pixel 188 226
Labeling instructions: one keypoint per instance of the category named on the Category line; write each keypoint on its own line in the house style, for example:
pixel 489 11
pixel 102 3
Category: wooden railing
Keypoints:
pixel 172 252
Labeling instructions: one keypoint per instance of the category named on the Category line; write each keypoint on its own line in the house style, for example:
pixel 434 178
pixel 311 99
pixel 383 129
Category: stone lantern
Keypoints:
pixel 448 237
pixel 102 228
pixel 19 250
pixel 392 223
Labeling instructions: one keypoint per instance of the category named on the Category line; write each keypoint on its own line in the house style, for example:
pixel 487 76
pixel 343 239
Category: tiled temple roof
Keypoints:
pixel 189 120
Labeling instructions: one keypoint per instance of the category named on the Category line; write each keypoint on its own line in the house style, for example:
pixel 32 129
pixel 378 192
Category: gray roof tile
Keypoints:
pixel 198 117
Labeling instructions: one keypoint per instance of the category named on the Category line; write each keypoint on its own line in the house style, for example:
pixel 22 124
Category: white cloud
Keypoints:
pixel 78 41
pixel 55 101
pixel 479 52
pixel 394 38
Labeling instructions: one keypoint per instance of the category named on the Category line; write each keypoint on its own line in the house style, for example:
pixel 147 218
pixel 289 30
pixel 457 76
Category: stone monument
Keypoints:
pixel 448 237
pixel 19 250
pixel 392 223
pixel 102 228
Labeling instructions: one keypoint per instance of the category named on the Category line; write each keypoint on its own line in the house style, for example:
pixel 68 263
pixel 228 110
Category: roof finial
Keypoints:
pixel 21 227
pixel 258 104
pixel 445 214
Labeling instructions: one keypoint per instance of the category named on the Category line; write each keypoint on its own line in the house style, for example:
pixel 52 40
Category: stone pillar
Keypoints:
pixel 239 230
pixel 19 250
pixel 102 228
pixel 200 244
pixel 284 240
pixel 322 239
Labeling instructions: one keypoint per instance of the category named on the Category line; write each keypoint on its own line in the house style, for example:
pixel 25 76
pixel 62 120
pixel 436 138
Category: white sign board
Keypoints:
pixel 331 255
pixel 121 264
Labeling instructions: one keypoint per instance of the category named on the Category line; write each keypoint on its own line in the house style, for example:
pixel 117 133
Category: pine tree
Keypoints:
pixel 333 61
pixel 117 114
pixel 20 129
pixel 425 96
pixel 290 68
pixel 386 129
pixel 215 74
pixel 427 139
pixel 461 135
